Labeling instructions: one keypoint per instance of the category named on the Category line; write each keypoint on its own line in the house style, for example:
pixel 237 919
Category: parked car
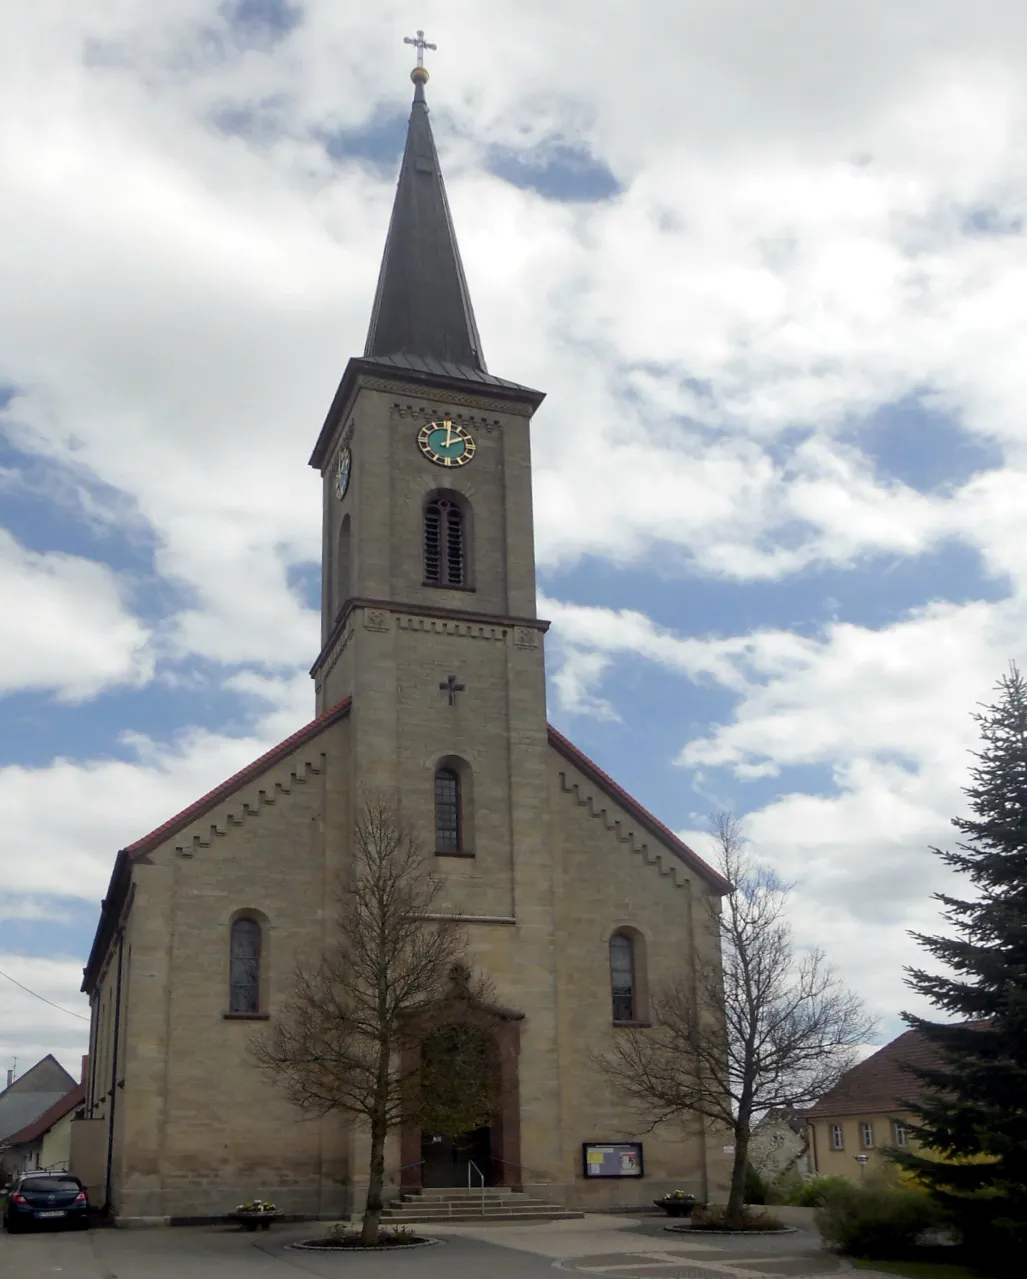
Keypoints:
pixel 46 1196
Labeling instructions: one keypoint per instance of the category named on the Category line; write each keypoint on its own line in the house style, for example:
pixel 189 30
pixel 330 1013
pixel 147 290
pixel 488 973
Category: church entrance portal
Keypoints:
pixel 491 1142
pixel 460 1083
pixel 457 1161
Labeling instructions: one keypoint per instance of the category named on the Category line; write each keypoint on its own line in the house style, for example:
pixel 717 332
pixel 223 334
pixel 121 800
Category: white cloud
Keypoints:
pixel 31 1028
pixel 886 714
pixel 16 906
pixel 748 253
pixel 793 248
pixel 76 815
pixel 65 626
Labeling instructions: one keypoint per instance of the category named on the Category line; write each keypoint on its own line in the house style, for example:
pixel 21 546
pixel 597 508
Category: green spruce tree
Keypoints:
pixel 972 1116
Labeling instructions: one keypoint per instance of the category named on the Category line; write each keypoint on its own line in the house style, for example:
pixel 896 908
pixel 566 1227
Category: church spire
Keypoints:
pixel 422 306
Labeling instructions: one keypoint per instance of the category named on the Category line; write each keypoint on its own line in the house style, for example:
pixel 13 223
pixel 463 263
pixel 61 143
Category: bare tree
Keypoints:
pixel 391 980
pixel 762 1027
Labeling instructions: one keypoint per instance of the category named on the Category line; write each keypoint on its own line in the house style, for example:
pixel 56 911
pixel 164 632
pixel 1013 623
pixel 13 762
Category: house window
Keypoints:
pixel 899 1133
pixel 245 979
pixel 445 552
pixel 622 977
pixel 447 811
pixel 837 1137
pixel 866 1132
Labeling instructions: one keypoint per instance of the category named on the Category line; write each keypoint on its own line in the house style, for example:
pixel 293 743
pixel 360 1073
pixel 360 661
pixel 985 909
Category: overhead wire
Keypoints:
pixel 36 994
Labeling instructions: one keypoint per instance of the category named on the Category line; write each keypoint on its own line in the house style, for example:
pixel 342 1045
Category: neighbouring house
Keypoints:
pixel 868 1109
pixel 25 1099
pixel 780 1144
pixel 46 1141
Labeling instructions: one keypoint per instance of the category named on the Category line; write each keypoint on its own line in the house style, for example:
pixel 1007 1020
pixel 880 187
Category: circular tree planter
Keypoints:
pixel 350 1242
pixel 719 1230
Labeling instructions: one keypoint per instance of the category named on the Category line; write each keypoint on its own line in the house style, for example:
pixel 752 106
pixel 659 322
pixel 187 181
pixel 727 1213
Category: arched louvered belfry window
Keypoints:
pixel 445 543
pixel 622 977
pixel 245 976
pixel 447 811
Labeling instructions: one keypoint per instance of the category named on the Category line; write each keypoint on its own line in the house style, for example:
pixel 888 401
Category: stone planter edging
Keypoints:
pixel 701 1230
pixel 319 1245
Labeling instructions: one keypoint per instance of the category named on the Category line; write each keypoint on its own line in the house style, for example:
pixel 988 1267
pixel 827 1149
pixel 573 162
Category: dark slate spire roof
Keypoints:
pixel 422 306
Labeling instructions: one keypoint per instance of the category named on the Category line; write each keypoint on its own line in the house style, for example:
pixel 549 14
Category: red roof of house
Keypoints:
pixel 48 1118
pixel 642 815
pixel 881 1083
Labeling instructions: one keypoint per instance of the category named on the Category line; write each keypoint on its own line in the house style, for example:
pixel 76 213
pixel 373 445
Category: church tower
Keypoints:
pixel 428 593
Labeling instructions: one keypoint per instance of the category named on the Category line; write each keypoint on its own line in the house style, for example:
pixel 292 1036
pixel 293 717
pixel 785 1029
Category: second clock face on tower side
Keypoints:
pixel 342 472
pixel 446 444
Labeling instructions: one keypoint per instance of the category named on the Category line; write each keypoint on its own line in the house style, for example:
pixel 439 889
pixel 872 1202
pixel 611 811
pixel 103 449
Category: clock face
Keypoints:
pixel 446 444
pixel 342 471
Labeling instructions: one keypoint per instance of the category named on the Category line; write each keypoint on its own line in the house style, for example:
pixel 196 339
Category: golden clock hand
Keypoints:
pixel 449 432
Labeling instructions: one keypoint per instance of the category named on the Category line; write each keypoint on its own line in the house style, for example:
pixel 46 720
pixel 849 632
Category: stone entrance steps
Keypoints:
pixel 496 1203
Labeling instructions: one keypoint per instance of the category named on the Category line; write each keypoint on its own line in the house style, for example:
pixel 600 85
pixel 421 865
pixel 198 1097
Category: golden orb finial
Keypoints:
pixel 419 74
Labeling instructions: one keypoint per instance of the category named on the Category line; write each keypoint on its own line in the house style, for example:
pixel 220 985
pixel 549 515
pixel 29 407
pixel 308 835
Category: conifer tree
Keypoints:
pixel 972 1114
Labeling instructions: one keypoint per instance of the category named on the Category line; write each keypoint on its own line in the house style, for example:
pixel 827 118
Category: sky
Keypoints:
pixel 769 263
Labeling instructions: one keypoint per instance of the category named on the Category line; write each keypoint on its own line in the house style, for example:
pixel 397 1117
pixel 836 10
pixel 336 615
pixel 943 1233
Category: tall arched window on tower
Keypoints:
pixel 622 977
pixel 447 811
pixel 245 976
pixel 342 568
pixel 445 543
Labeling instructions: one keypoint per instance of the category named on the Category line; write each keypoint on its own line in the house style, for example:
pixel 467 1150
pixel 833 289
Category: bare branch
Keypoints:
pixel 760 1028
pixel 388 1026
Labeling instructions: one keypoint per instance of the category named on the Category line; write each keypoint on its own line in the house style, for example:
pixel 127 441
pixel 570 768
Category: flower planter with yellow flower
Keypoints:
pixel 676 1203
pixel 256 1214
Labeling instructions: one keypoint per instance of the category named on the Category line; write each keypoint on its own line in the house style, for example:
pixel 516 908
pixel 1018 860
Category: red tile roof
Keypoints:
pixel 247 774
pixel 341 709
pixel 881 1083
pixel 120 876
pixel 654 826
pixel 34 1130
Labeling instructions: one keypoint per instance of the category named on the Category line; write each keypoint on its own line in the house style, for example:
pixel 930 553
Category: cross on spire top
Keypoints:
pixel 420 44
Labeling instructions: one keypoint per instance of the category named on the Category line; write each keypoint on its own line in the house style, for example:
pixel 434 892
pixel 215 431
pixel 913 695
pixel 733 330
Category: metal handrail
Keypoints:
pixel 471 1164
pixel 543 1178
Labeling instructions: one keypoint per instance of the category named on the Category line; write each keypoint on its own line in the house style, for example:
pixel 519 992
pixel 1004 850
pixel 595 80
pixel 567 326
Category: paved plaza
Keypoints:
pixel 613 1247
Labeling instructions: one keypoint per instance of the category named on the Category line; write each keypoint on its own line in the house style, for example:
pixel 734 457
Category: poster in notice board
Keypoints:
pixel 612 1158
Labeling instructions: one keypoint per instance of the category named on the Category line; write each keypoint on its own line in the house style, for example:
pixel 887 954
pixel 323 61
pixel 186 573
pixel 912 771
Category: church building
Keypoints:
pixel 430 685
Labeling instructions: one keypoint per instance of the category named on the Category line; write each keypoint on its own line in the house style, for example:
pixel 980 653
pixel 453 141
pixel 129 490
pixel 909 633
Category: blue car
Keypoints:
pixel 44 1197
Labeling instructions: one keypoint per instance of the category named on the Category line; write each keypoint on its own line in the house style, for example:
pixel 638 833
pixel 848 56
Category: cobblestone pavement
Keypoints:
pixel 617 1247
pixel 622 1248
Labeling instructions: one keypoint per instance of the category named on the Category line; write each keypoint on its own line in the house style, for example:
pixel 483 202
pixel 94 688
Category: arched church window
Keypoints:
pixel 447 811
pixel 245 975
pixel 622 977
pixel 445 550
pixel 342 567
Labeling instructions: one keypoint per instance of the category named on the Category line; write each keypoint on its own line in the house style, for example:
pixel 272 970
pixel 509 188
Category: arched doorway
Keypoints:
pixel 460 1088
pixel 494 1144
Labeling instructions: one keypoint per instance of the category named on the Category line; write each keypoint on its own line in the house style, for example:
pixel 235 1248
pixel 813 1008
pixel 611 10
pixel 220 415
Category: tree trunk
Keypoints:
pixel 736 1196
pixel 379 1130
pixel 375 1183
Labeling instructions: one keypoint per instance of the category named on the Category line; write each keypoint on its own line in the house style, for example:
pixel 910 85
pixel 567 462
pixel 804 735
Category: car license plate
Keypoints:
pixel 58 1213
